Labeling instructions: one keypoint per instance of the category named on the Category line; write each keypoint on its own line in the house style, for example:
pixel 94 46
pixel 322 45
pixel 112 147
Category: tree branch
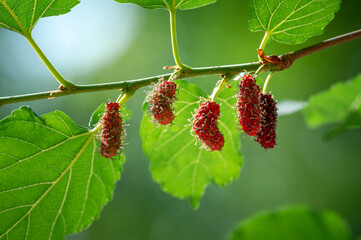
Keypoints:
pixel 131 84
pixel 293 56
pixel 286 59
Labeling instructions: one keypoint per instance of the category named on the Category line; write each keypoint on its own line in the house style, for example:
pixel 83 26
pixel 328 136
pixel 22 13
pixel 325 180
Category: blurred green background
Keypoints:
pixel 104 41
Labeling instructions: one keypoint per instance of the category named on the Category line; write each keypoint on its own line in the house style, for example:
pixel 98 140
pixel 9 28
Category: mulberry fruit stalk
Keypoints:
pixel 206 127
pixel 161 101
pixel 268 122
pixel 248 105
pixel 112 134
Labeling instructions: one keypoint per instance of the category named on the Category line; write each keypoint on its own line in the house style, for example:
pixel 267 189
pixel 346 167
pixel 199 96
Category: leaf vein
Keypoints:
pixel 27 186
pixel 52 186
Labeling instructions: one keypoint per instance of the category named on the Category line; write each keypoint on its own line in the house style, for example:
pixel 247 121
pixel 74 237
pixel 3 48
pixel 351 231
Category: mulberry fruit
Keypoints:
pixel 161 102
pixel 206 127
pixel 268 122
pixel 112 134
pixel 248 105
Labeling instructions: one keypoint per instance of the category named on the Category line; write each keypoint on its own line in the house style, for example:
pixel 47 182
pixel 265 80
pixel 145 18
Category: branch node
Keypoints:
pixel 275 63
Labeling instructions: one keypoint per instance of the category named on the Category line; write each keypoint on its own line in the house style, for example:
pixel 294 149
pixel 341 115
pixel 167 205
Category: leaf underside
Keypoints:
pixel 177 162
pixel 181 4
pixel 341 104
pixel 53 181
pixel 291 21
pixel 292 223
pixel 21 15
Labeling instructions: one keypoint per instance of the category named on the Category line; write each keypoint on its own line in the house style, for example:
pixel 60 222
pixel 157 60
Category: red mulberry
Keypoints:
pixel 206 127
pixel 112 133
pixel 161 102
pixel 267 134
pixel 248 105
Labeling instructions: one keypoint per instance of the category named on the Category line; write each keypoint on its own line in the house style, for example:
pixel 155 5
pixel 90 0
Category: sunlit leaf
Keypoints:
pixel 352 121
pixel 21 16
pixel 181 4
pixel 291 21
pixel 338 105
pixel 292 223
pixel 53 181
pixel 179 164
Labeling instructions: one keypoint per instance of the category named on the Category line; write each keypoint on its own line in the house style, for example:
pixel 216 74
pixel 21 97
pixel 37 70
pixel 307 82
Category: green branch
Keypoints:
pixel 292 56
pixel 131 84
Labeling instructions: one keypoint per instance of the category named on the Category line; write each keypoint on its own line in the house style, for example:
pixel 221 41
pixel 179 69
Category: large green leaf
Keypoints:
pixel 341 104
pixel 177 162
pixel 181 4
pixel 53 181
pixel 21 16
pixel 291 21
pixel 293 223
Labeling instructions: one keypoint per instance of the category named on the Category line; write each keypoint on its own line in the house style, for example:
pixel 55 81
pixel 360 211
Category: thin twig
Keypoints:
pixel 322 45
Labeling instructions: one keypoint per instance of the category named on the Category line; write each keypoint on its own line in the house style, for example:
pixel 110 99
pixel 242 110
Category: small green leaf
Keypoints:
pixel 352 121
pixel 53 180
pixel 291 21
pixel 179 164
pixel 21 16
pixel 338 105
pixel 292 223
pixel 169 4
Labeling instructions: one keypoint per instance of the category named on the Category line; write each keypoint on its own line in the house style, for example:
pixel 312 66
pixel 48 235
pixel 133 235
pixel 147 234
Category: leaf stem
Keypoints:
pixel 172 13
pixel 266 82
pixel 65 83
pixel 264 42
pixel 217 90
pixel 125 96
pixel 259 70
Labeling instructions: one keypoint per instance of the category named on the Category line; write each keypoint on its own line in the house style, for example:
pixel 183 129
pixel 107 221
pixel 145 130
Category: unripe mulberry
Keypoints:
pixel 112 134
pixel 248 105
pixel 161 101
pixel 267 134
pixel 206 127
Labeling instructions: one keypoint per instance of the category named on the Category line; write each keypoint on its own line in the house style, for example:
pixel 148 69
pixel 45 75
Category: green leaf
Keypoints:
pixel 292 223
pixel 175 4
pixel 179 164
pixel 21 16
pixel 340 104
pixel 291 21
pixel 53 180
pixel 353 121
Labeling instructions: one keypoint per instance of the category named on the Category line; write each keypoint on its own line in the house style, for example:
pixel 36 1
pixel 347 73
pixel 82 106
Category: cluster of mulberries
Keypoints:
pixel 161 102
pixel 112 134
pixel 257 112
pixel 206 127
